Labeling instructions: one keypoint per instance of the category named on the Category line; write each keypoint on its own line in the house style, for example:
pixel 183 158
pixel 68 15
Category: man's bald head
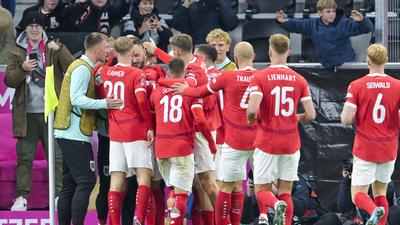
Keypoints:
pixel 244 51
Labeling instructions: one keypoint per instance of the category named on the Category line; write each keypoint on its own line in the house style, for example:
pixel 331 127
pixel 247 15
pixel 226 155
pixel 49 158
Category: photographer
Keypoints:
pixel 350 214
pixel 307 207
pixel 144 23
pixel 26 73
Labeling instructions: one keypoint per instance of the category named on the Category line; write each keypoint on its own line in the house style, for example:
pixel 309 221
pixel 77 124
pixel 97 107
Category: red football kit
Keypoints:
pixel 131 122
pixel 236 94
pixel 197 76
pixel 175 116
pixel 282 89
pixel 376 98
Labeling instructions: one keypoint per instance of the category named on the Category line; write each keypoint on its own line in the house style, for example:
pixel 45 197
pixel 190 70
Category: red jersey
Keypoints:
pixel 282 89
pixel 127 123
pixel 376 98
pixel 236 94
pixel 174 122
pixel 154 72
pixel 211 105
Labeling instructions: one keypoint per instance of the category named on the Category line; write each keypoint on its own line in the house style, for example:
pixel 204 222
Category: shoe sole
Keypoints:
pixel 279 217
pixel 375 217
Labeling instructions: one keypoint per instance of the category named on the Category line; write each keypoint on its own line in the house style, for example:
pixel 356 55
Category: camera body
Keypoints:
pixel 347 165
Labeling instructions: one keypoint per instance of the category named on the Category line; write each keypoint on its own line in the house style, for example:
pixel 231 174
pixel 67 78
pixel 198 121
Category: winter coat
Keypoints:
pixel 16 78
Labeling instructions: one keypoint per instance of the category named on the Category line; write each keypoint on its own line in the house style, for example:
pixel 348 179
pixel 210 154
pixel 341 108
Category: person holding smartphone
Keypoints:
pixel 26 73
pixel 144 23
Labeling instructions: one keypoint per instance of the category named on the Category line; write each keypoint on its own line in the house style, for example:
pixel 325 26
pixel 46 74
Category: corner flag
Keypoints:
pixel 50 96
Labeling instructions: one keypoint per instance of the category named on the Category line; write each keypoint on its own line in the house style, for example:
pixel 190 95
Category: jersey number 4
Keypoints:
pixel 281 98
pixel 172 108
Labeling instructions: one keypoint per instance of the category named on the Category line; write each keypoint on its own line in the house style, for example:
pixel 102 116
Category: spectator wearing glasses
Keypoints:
pixel 26 73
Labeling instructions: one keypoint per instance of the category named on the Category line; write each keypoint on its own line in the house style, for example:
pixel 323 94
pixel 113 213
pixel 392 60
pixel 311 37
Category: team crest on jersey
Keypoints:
pixel 92 165
pixel 143 82
pixel 214 80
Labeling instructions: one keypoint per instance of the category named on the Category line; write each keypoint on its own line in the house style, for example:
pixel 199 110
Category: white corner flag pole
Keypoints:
pixel 51 150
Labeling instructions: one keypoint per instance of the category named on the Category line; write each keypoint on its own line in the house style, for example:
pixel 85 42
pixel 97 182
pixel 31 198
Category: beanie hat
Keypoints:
pixel 33 17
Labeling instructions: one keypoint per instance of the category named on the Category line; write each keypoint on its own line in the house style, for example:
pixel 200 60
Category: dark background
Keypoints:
pixel 325 141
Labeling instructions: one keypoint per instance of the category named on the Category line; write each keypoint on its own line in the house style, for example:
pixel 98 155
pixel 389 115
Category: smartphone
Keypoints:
pixel 33 56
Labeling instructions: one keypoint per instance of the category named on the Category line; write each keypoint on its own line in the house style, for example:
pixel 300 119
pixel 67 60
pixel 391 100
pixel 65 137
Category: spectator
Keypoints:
pixel 9 5
pixel 330 33
pixel 145 23
pixel 51 11
pixel 351 214
pixel 198 17
pixel 74 124
pixel 6 34
pixel 95 15
pixel 26 73
pixel 221 41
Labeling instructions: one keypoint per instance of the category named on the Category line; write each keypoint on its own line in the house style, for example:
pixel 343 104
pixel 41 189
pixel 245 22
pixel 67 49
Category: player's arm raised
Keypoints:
pixel 198 114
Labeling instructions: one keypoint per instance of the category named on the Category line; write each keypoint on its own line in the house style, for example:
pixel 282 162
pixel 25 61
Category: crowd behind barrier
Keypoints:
pixel 325 141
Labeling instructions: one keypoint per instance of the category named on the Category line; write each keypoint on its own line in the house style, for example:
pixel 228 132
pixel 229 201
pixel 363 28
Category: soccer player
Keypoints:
pixel 238 149
pixel 152 72
pixel 275 94
pixel 182 47
pixel 373 103
pixel 175 116
pixel 130 130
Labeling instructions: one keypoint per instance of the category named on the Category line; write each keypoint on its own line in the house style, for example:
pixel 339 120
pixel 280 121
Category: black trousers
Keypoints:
pixel 78 181
pixel 128 207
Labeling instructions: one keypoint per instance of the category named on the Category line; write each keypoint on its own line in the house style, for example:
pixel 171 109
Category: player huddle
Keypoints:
pixel 166 129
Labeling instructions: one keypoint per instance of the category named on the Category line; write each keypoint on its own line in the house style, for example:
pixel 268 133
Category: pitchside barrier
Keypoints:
pixel 325 141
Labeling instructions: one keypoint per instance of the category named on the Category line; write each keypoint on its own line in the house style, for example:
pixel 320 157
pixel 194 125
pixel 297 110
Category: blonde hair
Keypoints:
pixel 280 43
pixel 123 45
pixel 377 54
pixel 218 34
pixel 326 4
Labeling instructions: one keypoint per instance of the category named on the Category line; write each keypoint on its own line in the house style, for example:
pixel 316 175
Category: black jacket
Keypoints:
pixel 54 21
pixel 202 17
pixel 85 17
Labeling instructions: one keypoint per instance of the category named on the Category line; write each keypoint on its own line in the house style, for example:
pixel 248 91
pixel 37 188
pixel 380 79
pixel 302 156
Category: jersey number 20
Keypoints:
pixel 117 89
pixel 172 108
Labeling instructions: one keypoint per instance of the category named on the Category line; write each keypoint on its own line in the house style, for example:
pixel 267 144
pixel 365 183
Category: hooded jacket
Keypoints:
pixel 16 78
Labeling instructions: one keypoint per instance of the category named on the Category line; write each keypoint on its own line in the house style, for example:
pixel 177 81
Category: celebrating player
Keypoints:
pixel 130 129
pixel 239 140
pixel 175 138
pixel 275 94
pixel 373 105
